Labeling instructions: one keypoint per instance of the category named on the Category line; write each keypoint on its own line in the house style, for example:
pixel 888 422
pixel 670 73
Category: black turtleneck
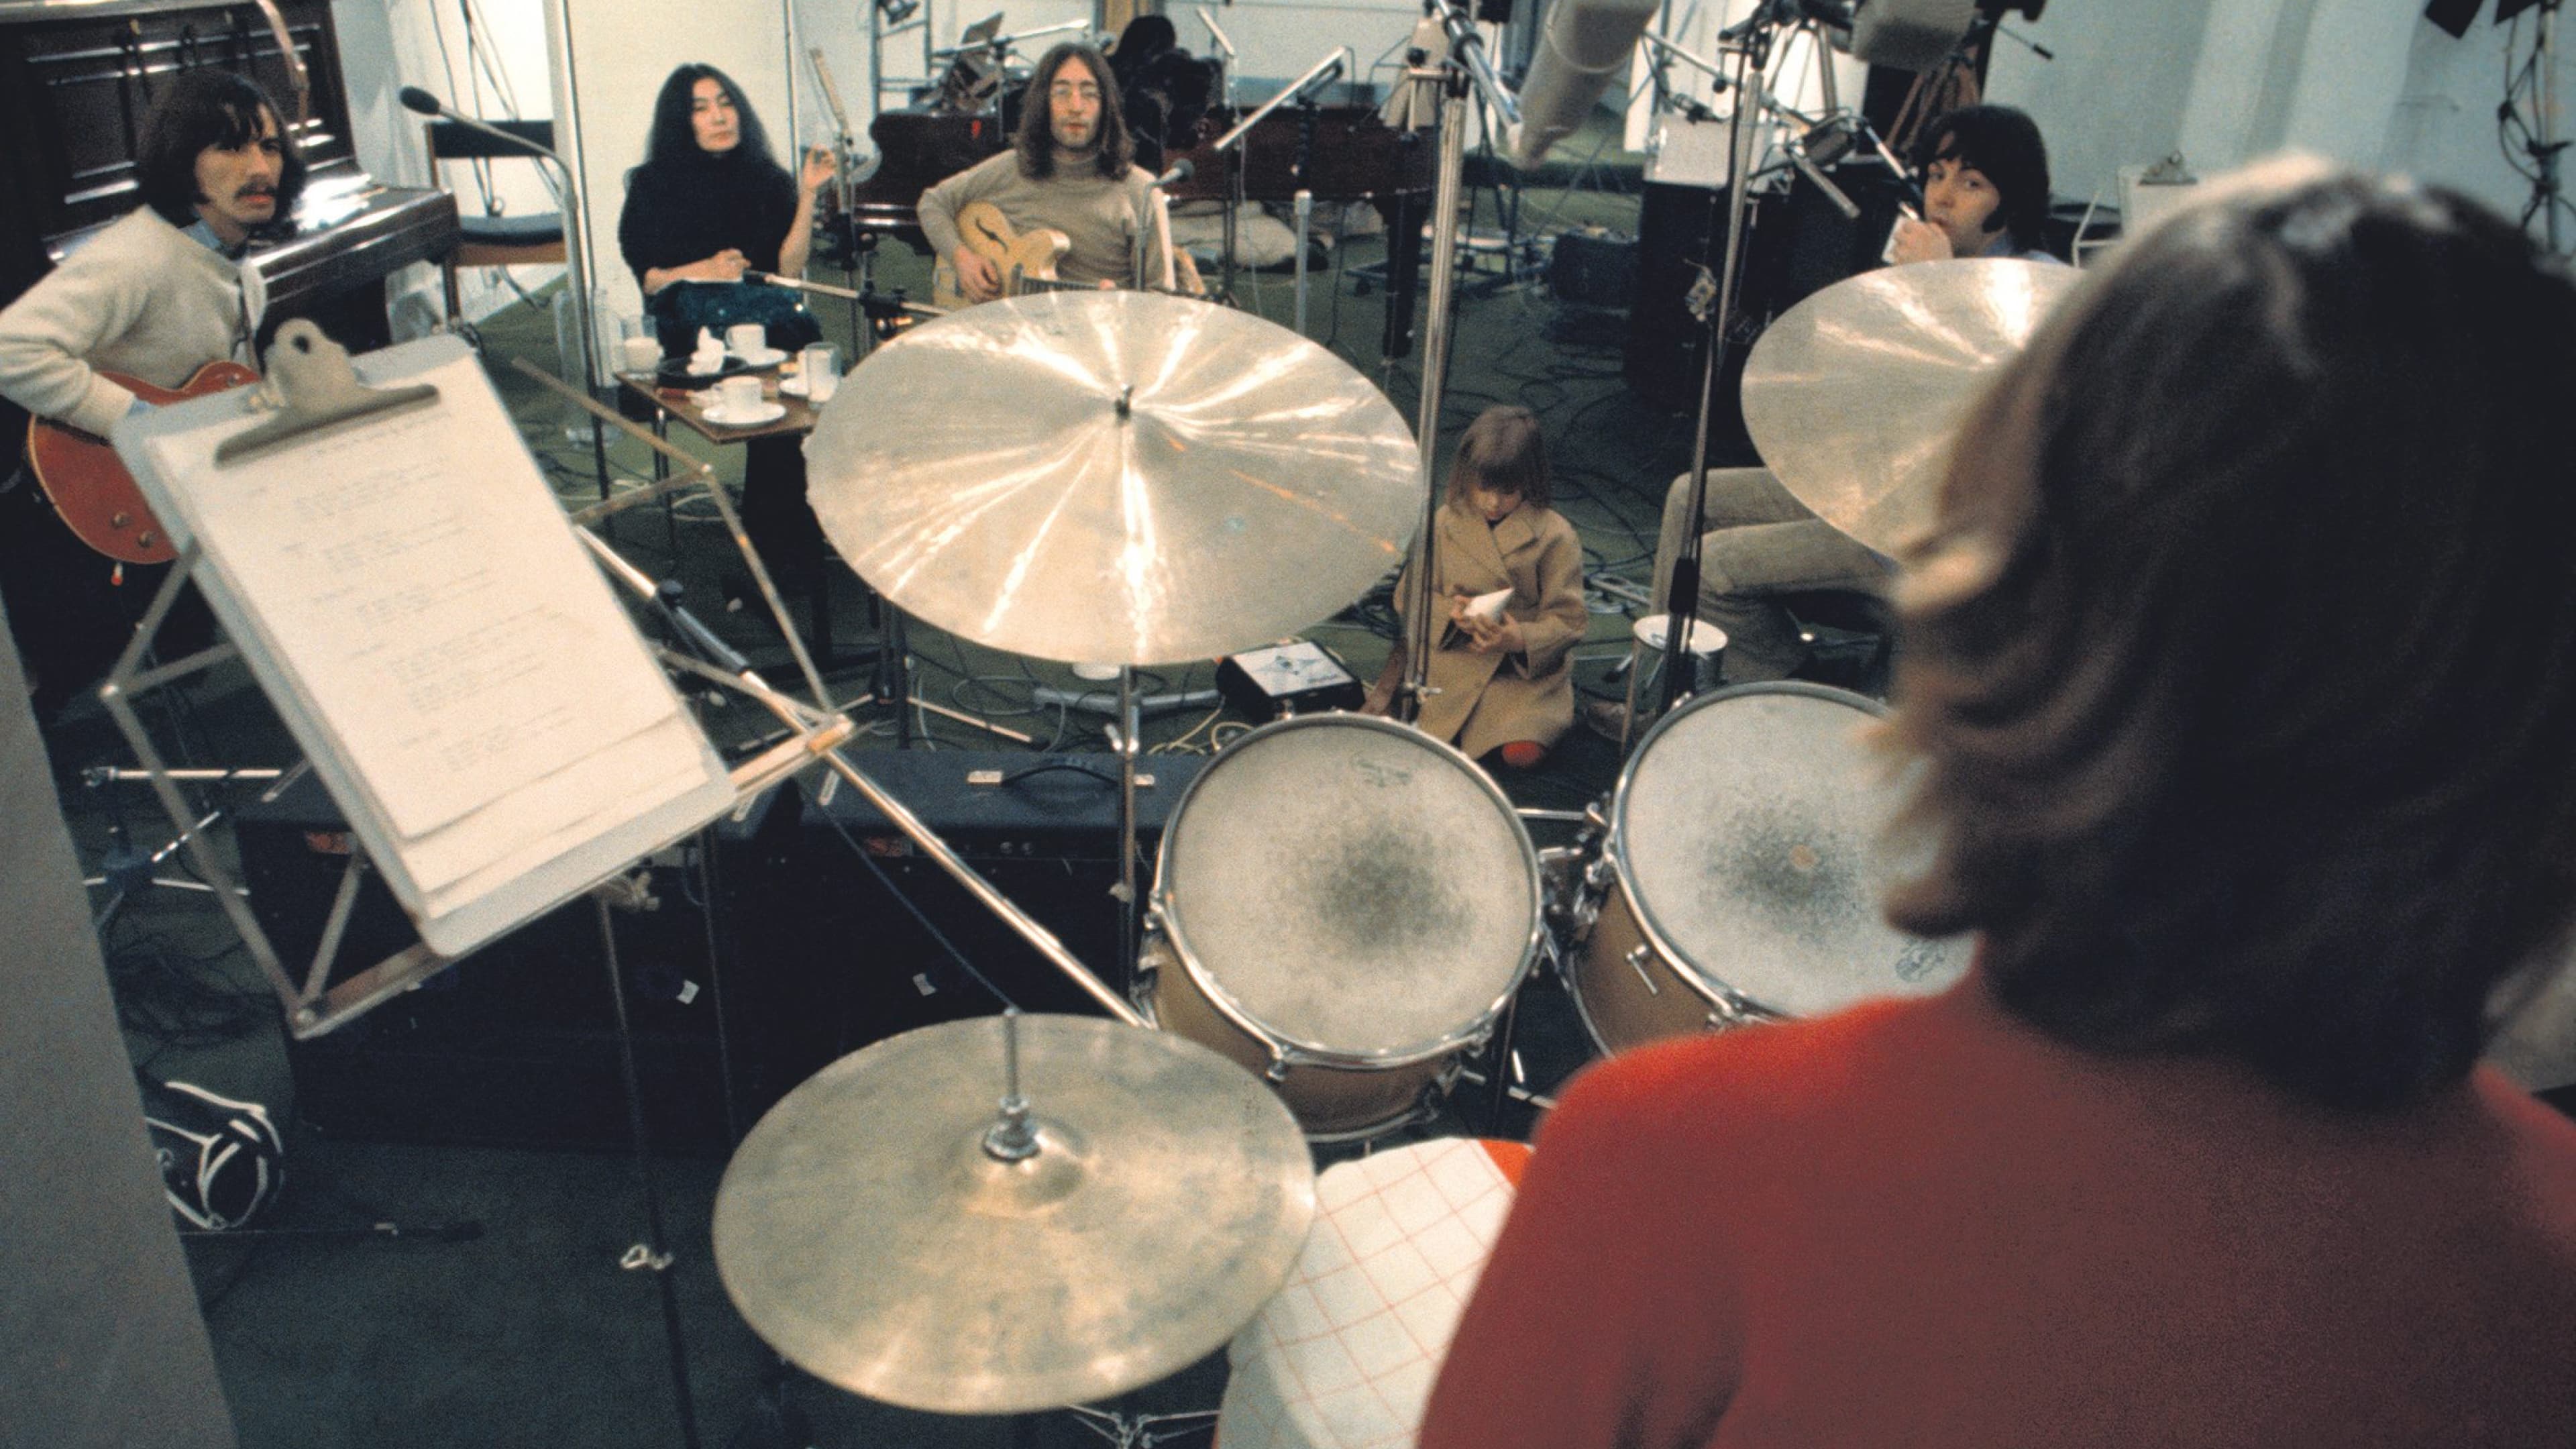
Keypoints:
pixel 678 212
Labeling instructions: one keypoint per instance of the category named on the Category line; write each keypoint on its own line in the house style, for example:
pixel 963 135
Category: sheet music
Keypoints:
pixel 410 594
pixel 438 613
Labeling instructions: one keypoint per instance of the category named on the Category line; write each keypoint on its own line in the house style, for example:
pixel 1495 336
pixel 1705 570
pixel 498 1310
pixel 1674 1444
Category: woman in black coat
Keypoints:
pixel 708 204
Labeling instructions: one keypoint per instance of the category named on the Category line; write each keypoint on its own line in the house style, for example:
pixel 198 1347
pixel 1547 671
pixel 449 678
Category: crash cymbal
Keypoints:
pixel 869 1233
pixel 1114 476
pixel 1852 396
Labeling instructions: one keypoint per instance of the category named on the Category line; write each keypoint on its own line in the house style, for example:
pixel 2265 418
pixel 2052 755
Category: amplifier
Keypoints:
pixel 818 891
pixel 832 930
pixel 1593 268
pixel 513 1046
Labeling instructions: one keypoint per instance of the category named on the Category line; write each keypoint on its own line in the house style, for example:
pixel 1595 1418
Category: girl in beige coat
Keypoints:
pixel 1505 685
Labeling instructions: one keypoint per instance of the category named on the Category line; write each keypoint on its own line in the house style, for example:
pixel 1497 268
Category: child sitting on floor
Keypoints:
pixel 1505 682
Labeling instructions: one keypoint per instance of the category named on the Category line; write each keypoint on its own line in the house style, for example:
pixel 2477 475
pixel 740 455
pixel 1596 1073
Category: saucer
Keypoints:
pixel 760 357
pixel 723 417
pixel 674 372
pixel 795 387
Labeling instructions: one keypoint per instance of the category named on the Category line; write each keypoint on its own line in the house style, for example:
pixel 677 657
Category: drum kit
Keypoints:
pixel 1014 1214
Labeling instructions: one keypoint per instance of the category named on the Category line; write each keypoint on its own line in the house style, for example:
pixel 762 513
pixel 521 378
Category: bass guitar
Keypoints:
pixel 88 485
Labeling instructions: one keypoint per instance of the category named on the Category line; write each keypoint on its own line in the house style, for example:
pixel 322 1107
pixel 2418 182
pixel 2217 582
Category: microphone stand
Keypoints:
pixel 1749 44
pixel 1464 68
pixel 860 253
pixel 578 272
pixel 1229 144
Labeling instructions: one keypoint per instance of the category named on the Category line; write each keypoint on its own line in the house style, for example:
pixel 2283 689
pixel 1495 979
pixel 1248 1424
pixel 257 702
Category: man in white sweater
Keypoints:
pixel 155 295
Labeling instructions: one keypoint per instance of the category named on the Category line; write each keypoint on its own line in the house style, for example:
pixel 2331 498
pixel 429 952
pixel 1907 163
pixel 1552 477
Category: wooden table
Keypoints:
pixel 682 403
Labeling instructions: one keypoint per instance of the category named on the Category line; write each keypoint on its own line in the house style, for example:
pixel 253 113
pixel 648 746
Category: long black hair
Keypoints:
pixel 202 109
pixel 674 140
pixel 1036 140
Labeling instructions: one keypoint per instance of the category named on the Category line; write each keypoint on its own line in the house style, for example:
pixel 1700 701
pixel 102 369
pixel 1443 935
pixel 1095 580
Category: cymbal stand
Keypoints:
pixel 652 1255
pixel 1748 45
pixel 1464 67
pixel 1130 907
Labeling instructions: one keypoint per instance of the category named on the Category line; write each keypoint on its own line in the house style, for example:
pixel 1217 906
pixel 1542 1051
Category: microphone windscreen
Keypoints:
pixel 1584 44
pixel 414 98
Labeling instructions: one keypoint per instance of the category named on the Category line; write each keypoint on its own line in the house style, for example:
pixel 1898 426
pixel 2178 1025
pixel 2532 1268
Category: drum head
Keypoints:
pixel 1748 829
pixel 1351 886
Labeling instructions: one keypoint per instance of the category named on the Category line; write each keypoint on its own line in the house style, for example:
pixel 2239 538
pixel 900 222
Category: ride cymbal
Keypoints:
pixel 1121 477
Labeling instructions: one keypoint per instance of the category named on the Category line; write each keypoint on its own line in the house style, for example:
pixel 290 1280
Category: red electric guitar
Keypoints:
pixel 88 485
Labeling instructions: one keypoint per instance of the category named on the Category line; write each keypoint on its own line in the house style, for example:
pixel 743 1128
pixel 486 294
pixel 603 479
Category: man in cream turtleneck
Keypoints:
pixel 1070 169
pixel 155 295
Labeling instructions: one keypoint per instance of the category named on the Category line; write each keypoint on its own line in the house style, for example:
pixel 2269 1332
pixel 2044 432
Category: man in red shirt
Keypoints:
pixel 2237 667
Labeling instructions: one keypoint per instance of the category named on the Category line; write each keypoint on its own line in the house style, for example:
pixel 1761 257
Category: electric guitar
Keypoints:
pixel 1026 260
pixel 88 485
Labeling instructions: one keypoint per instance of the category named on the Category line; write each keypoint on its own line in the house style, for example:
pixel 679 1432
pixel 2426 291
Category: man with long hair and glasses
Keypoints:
pixel 1071 169
pixel 155 295
pixel 2236 684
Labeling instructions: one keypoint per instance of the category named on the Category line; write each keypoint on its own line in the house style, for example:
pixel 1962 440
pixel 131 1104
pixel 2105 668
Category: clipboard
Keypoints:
pixel 391 565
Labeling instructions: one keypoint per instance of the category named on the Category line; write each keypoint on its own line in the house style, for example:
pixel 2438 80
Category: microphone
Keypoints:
pixel 1584 43
pixel 413 98
pixel 1179 173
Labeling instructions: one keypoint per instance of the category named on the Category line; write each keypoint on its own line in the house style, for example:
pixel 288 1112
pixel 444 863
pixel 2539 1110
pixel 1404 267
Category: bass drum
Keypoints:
pixel 1343 905
pixel 1741 874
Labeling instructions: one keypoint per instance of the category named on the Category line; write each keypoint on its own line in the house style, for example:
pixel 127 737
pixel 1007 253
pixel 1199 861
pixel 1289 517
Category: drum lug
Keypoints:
pixel 1637 958
pixel 1729 1011
pixel 1277 1071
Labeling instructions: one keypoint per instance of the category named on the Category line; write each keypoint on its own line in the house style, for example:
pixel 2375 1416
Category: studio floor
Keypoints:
pixel 424 1283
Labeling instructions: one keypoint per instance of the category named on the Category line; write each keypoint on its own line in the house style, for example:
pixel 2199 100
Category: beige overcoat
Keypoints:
pixel 1488 700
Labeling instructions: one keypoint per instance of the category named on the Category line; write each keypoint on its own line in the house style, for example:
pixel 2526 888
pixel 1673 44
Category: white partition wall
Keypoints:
pixel 496 68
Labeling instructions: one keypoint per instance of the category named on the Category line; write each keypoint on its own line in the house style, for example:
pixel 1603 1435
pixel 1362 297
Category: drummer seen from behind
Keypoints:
pixel 1985 189
pixel 2256 848
pixel 1503 670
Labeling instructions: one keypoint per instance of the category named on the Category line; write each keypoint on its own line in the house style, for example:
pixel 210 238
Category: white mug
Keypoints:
pixel 821 366
pixel 746 338
pixel 739 396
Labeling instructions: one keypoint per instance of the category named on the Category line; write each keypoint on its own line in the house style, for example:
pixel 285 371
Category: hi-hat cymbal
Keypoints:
pixel 867 1233
pixel 1115 476
pixel 1853 395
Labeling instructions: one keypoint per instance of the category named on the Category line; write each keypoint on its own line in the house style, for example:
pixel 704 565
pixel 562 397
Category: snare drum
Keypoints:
pixel 1344 905
pixel 1741 875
